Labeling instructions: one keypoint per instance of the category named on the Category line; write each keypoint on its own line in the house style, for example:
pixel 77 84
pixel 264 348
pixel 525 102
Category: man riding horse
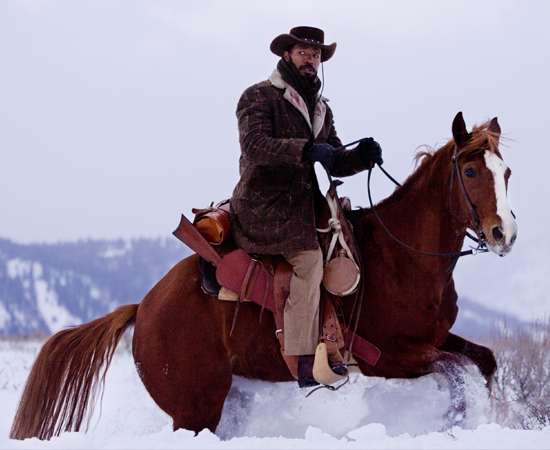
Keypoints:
pixel 285 126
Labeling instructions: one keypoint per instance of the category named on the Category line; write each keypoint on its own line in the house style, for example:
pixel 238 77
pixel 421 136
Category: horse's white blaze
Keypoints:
pixel 509 226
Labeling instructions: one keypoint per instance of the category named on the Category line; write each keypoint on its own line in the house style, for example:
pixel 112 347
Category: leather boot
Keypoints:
pixel 338 367
pixel 305 371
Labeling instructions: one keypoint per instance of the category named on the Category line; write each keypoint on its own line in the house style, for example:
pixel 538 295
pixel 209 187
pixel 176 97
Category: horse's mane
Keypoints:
pixel 480 140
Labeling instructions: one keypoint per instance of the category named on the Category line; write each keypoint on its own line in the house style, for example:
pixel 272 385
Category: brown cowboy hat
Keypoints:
pixel 303 35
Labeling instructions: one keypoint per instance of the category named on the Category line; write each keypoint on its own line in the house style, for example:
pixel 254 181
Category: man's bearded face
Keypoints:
pixel 306 58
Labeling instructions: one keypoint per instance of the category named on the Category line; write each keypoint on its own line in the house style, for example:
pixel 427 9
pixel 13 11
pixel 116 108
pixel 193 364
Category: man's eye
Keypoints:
pixel 316 56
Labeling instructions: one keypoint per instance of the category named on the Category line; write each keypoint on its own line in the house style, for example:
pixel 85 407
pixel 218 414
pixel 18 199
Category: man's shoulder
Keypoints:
pixel 262 85
pixel 274 81
pixel 262 90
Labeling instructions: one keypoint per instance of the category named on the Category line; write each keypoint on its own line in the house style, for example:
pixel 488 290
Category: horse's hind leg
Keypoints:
pixel 199 402
pixel 188 376
pixel 481 356
pixel 180 352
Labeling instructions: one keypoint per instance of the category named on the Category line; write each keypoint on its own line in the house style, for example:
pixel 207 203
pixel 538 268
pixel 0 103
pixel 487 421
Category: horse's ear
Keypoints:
pixel 494 127
pixel 460 133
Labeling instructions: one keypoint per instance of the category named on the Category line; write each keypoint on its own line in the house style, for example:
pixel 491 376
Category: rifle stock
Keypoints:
pixel 189 235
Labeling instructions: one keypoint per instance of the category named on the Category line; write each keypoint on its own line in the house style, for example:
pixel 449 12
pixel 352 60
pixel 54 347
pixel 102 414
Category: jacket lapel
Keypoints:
pixel 319 116
pixel 292 96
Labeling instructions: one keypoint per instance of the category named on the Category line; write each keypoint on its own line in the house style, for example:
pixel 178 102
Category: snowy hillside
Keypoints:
pixel 44 288
pixel 365 413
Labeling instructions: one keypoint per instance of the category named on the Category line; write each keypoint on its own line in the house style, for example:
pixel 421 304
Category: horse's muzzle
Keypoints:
pixel 500 244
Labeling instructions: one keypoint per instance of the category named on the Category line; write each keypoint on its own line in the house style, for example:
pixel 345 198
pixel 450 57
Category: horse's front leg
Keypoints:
pixel 408 358
pixel 453 369
pixel 481 356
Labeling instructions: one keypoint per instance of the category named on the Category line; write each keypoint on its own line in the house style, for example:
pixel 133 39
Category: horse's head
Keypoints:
pixel 482 177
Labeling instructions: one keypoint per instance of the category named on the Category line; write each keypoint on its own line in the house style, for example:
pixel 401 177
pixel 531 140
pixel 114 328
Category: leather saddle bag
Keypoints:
pixel 214 222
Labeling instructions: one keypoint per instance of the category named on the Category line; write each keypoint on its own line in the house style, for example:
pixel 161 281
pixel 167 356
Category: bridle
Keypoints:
pixel 481 240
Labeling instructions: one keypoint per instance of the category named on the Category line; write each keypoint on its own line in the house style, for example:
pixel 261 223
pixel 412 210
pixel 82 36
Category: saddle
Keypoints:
pixel 266 281
pixel 232 274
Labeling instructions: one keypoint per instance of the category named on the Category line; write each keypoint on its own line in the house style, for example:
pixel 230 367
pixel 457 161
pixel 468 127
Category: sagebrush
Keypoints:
pixel 521 389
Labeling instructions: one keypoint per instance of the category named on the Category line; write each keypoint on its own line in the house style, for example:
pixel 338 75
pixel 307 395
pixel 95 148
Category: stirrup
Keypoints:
pixel 322 371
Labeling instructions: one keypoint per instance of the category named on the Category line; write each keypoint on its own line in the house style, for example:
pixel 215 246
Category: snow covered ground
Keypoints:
pixel 366 413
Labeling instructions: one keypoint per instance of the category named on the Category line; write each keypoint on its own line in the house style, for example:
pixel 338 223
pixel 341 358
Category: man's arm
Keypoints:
pixel 347 162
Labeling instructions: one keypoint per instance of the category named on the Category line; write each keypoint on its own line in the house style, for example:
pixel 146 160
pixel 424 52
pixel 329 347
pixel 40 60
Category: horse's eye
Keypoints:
pixel 470 173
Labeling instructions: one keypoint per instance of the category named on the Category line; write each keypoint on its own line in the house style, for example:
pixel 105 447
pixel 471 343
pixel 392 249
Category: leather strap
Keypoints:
pixel 246 288
pixel 362 348
pixel 331 331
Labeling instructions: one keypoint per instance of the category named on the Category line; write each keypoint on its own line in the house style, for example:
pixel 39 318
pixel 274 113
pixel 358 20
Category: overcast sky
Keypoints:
pixel 116 116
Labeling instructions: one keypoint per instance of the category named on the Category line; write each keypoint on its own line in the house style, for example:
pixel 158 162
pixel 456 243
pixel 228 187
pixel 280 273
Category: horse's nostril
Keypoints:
pixel 497 234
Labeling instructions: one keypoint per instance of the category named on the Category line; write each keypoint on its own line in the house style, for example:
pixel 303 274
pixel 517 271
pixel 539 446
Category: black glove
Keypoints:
pixel 370 152
pixel 324 153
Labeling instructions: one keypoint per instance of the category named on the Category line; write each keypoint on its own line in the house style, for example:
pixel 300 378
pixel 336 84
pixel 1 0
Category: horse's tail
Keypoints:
pixel 66 375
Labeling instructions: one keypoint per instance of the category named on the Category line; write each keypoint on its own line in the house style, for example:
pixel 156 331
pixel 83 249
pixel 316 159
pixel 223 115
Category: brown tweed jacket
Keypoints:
pixel 273 204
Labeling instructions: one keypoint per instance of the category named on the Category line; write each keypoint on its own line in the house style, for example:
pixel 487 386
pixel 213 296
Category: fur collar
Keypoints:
pixel 298 102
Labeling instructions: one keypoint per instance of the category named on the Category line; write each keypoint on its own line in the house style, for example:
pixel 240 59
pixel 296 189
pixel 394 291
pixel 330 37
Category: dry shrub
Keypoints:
pixel 521 387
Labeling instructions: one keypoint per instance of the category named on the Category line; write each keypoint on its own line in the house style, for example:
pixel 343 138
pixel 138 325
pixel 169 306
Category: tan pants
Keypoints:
pixel 301 315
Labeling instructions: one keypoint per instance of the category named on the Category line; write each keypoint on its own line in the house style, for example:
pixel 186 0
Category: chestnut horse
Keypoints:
pixel 182 348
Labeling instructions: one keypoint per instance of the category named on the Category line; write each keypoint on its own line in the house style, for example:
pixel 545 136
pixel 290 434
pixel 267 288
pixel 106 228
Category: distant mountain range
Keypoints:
pixel 46 287
pixel 475 320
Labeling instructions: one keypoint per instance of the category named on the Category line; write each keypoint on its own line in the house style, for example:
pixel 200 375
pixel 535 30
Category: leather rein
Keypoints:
pixel 481 239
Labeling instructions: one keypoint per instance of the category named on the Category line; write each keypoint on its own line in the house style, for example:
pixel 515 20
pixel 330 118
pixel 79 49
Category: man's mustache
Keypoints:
pixel 308 66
